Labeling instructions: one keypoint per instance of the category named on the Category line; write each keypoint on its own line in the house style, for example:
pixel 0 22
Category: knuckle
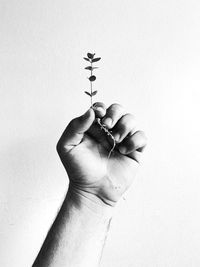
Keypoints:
pixel 116 107
pixel 127 122
pixel 142 135
pixel 128 119
pixel 140 138
pixel 130 116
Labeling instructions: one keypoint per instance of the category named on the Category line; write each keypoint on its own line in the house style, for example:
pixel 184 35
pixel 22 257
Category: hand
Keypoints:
pixel 84 148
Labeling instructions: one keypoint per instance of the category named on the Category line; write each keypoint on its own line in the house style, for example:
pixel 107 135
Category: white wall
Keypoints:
pixel 150 64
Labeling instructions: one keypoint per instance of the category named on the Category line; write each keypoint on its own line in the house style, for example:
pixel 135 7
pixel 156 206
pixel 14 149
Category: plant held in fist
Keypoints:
pixel 83 149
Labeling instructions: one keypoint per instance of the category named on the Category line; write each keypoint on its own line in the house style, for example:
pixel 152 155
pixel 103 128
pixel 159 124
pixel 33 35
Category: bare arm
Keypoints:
pixel 77 236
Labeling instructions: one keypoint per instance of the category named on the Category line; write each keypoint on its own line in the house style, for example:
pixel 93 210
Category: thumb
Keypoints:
pixel 73 134
pixel 82 124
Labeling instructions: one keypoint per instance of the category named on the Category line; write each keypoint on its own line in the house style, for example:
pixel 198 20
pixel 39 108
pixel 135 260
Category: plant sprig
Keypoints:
pixel 90 58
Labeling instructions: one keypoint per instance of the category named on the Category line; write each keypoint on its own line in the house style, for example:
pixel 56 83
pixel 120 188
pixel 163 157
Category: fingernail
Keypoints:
pixel 100 109
pixel 107 122
pixel 117 137
pixel 122 149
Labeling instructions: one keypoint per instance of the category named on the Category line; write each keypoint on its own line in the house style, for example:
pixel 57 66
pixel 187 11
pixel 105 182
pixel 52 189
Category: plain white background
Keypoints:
pixel 151 65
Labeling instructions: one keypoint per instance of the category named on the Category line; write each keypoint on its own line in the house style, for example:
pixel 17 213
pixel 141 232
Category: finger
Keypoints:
pixel 133 144
pixel 113 114
pixel 135 155
pixel 99 109
pixel 125 126
pixel 75 130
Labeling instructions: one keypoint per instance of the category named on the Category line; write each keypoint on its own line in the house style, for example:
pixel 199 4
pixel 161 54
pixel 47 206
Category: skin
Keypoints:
pixel 96 183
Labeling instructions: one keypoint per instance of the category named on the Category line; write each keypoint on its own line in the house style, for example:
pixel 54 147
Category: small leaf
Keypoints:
pixel 92 78
pixel 87 93
pixel 89 68
pixel 94 93
pixel 90 55
pixel 86 58
pixel 96 59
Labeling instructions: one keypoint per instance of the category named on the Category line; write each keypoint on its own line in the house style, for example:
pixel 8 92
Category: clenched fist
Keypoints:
pixel 84 148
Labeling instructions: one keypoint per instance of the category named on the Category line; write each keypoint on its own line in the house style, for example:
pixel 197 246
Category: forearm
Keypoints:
pixel 77 236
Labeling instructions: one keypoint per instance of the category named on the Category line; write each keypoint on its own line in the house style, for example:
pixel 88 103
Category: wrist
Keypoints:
pixel 86 200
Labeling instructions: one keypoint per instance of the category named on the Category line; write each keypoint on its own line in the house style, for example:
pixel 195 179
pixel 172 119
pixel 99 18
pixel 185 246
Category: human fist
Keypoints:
pixel 84 151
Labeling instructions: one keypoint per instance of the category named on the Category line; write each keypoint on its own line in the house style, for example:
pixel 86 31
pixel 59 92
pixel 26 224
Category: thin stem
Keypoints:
pixel 109 134
pixel 91 91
